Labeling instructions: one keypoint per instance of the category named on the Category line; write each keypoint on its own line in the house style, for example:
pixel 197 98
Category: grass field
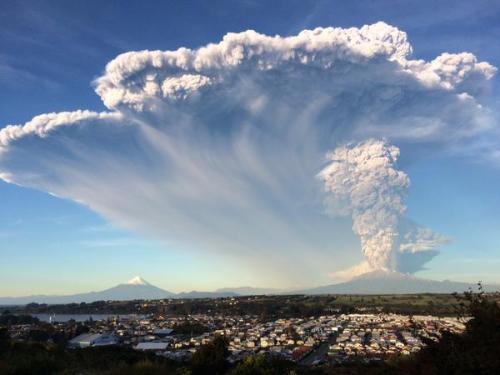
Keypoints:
pixel 438 304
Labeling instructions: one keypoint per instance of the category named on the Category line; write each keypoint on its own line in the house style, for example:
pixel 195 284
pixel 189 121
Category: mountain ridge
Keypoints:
pixel 376 282
pixel 390 282
pixel 136 288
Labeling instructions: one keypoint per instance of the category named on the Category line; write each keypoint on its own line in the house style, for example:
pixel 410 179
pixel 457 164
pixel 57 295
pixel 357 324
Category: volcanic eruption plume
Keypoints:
pixel 362 181
pixel 216 149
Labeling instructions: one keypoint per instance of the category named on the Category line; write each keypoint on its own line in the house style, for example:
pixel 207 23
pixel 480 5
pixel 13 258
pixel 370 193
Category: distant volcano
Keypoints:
pixel 389 282
pixel 136 288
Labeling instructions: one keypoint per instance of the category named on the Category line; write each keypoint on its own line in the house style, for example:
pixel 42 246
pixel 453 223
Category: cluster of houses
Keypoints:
pixel 334 338
pixel 371 336
pixel 379 336
pixel 292 338
pixel 289 338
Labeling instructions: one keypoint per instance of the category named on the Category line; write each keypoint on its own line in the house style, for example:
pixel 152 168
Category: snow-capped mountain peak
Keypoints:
pixel 138 281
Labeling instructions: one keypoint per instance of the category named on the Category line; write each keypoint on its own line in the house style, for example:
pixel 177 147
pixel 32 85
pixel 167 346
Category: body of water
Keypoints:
pixel 62 318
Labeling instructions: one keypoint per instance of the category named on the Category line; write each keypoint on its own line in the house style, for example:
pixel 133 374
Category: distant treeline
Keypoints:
pixel 265 307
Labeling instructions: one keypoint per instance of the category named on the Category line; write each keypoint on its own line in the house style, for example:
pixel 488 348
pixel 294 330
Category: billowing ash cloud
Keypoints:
pixel 362 181
pixel 217 148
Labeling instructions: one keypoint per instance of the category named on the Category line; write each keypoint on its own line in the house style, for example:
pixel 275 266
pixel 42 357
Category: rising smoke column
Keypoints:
pixel 362 181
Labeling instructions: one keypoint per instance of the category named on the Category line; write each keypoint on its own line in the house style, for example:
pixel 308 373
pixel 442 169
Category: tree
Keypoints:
pixel 38 335
pixel 262 365
pixel 4 340
pixel 210 359
pixel 473 352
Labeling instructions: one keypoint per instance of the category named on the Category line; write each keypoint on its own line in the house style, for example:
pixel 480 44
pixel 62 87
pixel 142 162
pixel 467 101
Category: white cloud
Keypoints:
pixel 46 123
pixel 217 148
pixel 417 239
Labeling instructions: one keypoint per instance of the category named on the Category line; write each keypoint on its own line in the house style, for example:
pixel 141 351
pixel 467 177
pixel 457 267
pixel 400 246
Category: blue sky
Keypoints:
pixel 51 52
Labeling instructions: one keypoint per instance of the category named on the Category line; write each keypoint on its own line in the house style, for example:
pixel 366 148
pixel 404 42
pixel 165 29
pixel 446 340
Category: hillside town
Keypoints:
pixel 338 338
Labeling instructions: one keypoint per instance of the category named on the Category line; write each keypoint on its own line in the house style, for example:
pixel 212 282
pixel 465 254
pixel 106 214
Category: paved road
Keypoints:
pixel 319 352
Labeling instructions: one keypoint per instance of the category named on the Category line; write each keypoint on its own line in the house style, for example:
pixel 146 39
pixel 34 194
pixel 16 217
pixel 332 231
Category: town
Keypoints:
pixel 312 340
pixel 289 334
